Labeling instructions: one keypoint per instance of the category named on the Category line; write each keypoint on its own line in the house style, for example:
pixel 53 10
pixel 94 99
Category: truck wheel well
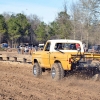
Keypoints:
pixel 57 61
pixel 35 61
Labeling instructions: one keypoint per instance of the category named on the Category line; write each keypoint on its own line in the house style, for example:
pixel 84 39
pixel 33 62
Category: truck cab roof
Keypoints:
pixel 66 45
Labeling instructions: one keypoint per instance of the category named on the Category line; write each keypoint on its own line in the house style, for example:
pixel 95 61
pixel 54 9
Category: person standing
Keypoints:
pixel 77 46
pixel 18 49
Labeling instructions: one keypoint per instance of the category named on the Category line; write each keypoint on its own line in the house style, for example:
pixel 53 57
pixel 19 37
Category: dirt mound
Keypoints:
pixel 17 83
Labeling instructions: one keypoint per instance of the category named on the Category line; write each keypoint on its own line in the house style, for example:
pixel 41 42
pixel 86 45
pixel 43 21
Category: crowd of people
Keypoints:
pixel 26 49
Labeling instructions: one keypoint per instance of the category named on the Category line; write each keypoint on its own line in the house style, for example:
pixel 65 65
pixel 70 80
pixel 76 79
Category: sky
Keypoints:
pixel 46 10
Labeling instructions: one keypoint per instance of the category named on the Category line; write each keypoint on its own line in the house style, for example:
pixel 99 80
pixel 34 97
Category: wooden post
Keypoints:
pixel 7 58
pixel 24 60
pixel 15 59
pixel 1 58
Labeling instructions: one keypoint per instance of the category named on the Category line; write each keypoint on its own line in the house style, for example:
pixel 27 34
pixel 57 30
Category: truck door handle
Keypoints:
pixel 54 57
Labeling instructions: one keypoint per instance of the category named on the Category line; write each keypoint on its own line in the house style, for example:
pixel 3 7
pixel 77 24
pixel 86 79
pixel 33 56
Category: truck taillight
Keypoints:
pixel 69 60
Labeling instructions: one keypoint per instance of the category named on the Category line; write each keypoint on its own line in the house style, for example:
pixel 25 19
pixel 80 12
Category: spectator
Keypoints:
pixel 30 50
pixel 85 49
pixel 26 49
pixel 18 49
pixel 36 48
pixel 77 46
pixel 22 49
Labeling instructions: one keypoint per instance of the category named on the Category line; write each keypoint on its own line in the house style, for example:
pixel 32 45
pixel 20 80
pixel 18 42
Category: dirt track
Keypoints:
pixel 18 83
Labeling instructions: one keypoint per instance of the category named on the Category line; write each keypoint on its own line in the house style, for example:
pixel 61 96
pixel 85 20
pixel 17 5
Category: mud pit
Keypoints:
pixel 17 83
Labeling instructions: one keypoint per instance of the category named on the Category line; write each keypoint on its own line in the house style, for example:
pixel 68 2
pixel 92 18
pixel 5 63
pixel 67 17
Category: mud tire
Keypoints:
pixel 56 72
pixel 62 71
pixel 37 71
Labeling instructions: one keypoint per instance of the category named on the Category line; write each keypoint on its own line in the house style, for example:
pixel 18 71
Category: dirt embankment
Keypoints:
pixel 18 83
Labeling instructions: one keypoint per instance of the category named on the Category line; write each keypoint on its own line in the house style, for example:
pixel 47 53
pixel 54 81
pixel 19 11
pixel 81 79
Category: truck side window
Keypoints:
pixel 67 46
pixel 58 46
pixel 47 47
pixel 73 46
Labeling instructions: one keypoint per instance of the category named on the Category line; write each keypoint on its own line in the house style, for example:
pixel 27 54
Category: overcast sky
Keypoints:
pixel 45 9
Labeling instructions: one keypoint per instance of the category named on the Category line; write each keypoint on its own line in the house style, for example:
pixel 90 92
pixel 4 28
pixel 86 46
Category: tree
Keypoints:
pixel 34 22
pixel 85 20
pixel 13 29
pixel 75 19
pixel 18 27
pixel 53 30
pixel 64 23
pixel 91 10
pixel 41 32
pixel 23 24
pixel 6 16
pixel 3 26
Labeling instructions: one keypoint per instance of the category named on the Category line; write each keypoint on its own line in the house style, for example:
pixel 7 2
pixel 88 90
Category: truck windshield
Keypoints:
pixel 47 48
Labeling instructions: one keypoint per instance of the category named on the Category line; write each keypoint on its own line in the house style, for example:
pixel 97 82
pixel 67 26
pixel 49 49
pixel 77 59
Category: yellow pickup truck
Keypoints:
pixel 61 55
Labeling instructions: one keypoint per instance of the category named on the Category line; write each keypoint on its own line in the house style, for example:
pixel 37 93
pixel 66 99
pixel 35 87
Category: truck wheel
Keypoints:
pixel 37 71
pixel 62 71
pixel 56 72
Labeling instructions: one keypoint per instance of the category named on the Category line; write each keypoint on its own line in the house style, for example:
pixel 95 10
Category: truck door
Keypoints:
pixel 46 56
